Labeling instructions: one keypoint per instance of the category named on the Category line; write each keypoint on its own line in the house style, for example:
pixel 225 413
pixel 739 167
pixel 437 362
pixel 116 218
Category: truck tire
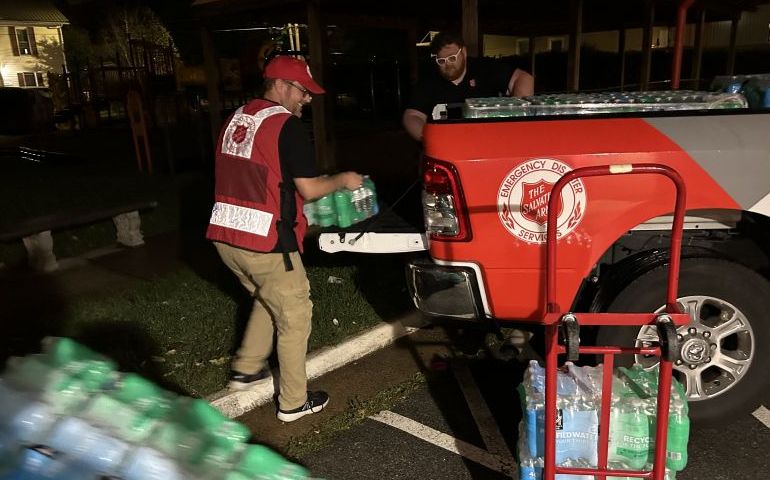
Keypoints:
pixel 721 360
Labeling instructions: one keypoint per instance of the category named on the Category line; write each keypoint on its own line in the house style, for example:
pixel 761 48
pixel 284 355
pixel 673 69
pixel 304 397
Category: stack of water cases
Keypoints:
pixel 491 107
pixel 756 88
pixel 344 207
pixel 631 429
pixel 68 414
pixel 597 103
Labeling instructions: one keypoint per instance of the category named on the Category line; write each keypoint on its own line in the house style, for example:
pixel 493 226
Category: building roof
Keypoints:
pixel 37 12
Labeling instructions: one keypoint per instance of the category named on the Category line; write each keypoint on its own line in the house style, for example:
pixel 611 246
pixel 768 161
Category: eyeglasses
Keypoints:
pixel 304 90
pixel 441 61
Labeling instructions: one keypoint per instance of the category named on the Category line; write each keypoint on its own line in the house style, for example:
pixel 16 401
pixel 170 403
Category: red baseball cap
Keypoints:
pixel 290 68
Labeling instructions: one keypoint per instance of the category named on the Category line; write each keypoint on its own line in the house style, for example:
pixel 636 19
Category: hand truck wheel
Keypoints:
pixel 669 344
pixel 571 332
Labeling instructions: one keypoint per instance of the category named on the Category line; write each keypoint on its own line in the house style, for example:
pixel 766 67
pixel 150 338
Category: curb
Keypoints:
pixel 236 403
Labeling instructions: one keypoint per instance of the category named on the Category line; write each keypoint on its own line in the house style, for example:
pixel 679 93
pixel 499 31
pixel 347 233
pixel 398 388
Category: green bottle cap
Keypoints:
pixel 200 415
pixel 133 388
pixel 61 351
pixel 95 374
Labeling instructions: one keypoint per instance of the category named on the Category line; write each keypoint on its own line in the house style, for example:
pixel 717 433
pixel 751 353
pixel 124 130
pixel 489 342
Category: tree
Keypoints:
pixel 109 31
pixel 127 22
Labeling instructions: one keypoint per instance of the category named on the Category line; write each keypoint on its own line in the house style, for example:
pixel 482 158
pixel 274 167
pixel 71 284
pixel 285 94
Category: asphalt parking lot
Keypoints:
pixel 463 424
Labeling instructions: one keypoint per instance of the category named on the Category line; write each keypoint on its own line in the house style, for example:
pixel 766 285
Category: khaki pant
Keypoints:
pixel 281 303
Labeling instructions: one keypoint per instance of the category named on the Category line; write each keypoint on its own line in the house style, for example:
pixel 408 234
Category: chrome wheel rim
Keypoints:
pixel 715 349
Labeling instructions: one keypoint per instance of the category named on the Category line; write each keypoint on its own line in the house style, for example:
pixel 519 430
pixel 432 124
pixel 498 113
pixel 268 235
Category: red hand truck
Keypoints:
pixel 569 324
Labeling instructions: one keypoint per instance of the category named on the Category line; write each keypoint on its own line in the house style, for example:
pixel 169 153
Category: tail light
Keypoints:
pixel 443 203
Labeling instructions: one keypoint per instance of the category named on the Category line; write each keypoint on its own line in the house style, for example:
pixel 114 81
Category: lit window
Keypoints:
pixel 22 38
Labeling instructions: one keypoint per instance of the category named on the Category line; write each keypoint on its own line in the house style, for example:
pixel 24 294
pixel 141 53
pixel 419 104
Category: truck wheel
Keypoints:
pixel 720 361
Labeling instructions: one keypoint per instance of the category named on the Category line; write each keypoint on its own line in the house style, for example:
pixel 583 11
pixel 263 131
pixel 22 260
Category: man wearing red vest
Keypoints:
pixel 265 168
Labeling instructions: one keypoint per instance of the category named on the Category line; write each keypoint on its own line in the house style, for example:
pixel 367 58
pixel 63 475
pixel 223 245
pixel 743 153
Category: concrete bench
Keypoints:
pixel 36 232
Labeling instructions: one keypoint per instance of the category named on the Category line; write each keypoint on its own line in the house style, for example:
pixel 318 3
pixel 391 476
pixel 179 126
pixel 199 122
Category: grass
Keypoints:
pixel 356 413
pixel 181 330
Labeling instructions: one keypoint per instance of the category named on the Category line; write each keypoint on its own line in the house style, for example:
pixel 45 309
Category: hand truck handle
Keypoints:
pixel 604 170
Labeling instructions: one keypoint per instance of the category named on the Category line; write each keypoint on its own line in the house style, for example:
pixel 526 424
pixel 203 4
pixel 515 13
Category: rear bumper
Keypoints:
pixel 446 290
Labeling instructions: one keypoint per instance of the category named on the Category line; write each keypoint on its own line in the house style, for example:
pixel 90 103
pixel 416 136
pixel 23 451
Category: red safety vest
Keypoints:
pixel 248 174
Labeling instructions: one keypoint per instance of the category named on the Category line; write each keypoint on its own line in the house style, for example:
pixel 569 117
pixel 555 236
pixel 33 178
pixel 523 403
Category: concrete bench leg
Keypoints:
pixel 40 252
pixel 128 226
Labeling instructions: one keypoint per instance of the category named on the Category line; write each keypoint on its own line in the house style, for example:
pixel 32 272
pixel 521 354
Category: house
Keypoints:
pixel 31 42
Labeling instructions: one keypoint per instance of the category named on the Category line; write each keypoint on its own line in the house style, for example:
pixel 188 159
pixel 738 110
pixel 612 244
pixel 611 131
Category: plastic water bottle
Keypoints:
pixel 144 396
pixel 309 210
pixel 87 446
pixel 148 464
pixel 364 201
pixel 370 202
pixel 201 435
pixel 23 419
pixel 630 434
pixel 122 420
pixel 577 434
pixel 678 436
pixel 65 353
pixel 325 212
pixel 343 204
pixel 528 470
pixel 176 442
pixel 258 461
pixel 63 390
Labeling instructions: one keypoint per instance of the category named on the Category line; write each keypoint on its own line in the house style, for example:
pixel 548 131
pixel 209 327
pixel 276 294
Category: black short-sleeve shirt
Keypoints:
pixel 296 151
pixel 297 157
pixel 484 77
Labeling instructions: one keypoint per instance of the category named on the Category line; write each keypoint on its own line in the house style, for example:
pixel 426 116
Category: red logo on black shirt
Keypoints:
pixel 472 82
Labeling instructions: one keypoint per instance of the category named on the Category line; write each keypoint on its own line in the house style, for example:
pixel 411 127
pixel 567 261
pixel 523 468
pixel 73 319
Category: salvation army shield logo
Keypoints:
pixel 534 201
pixel 522 200
pixel 239 136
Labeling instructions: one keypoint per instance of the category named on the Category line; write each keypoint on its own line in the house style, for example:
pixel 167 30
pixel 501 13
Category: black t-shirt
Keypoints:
pixel 297 161
pixel 484 77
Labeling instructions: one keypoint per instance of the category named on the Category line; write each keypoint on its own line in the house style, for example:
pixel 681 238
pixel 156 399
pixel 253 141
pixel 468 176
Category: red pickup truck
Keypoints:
pixel 487 183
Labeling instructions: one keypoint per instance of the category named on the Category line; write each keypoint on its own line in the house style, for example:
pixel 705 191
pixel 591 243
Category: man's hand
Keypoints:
pixel 414 121
pixel 317 187
pixel 352 180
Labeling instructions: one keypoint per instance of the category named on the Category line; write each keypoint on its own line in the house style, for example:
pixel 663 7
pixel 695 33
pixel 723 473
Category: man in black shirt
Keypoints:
pixel 460 77
pixel 265 168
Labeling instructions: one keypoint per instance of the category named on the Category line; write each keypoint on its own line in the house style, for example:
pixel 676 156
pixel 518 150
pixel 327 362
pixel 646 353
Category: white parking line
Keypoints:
pixel 763 415
pixel 490 433
pixel 449 443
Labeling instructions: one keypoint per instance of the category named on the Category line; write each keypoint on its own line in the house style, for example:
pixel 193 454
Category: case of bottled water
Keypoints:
pixel 67 414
